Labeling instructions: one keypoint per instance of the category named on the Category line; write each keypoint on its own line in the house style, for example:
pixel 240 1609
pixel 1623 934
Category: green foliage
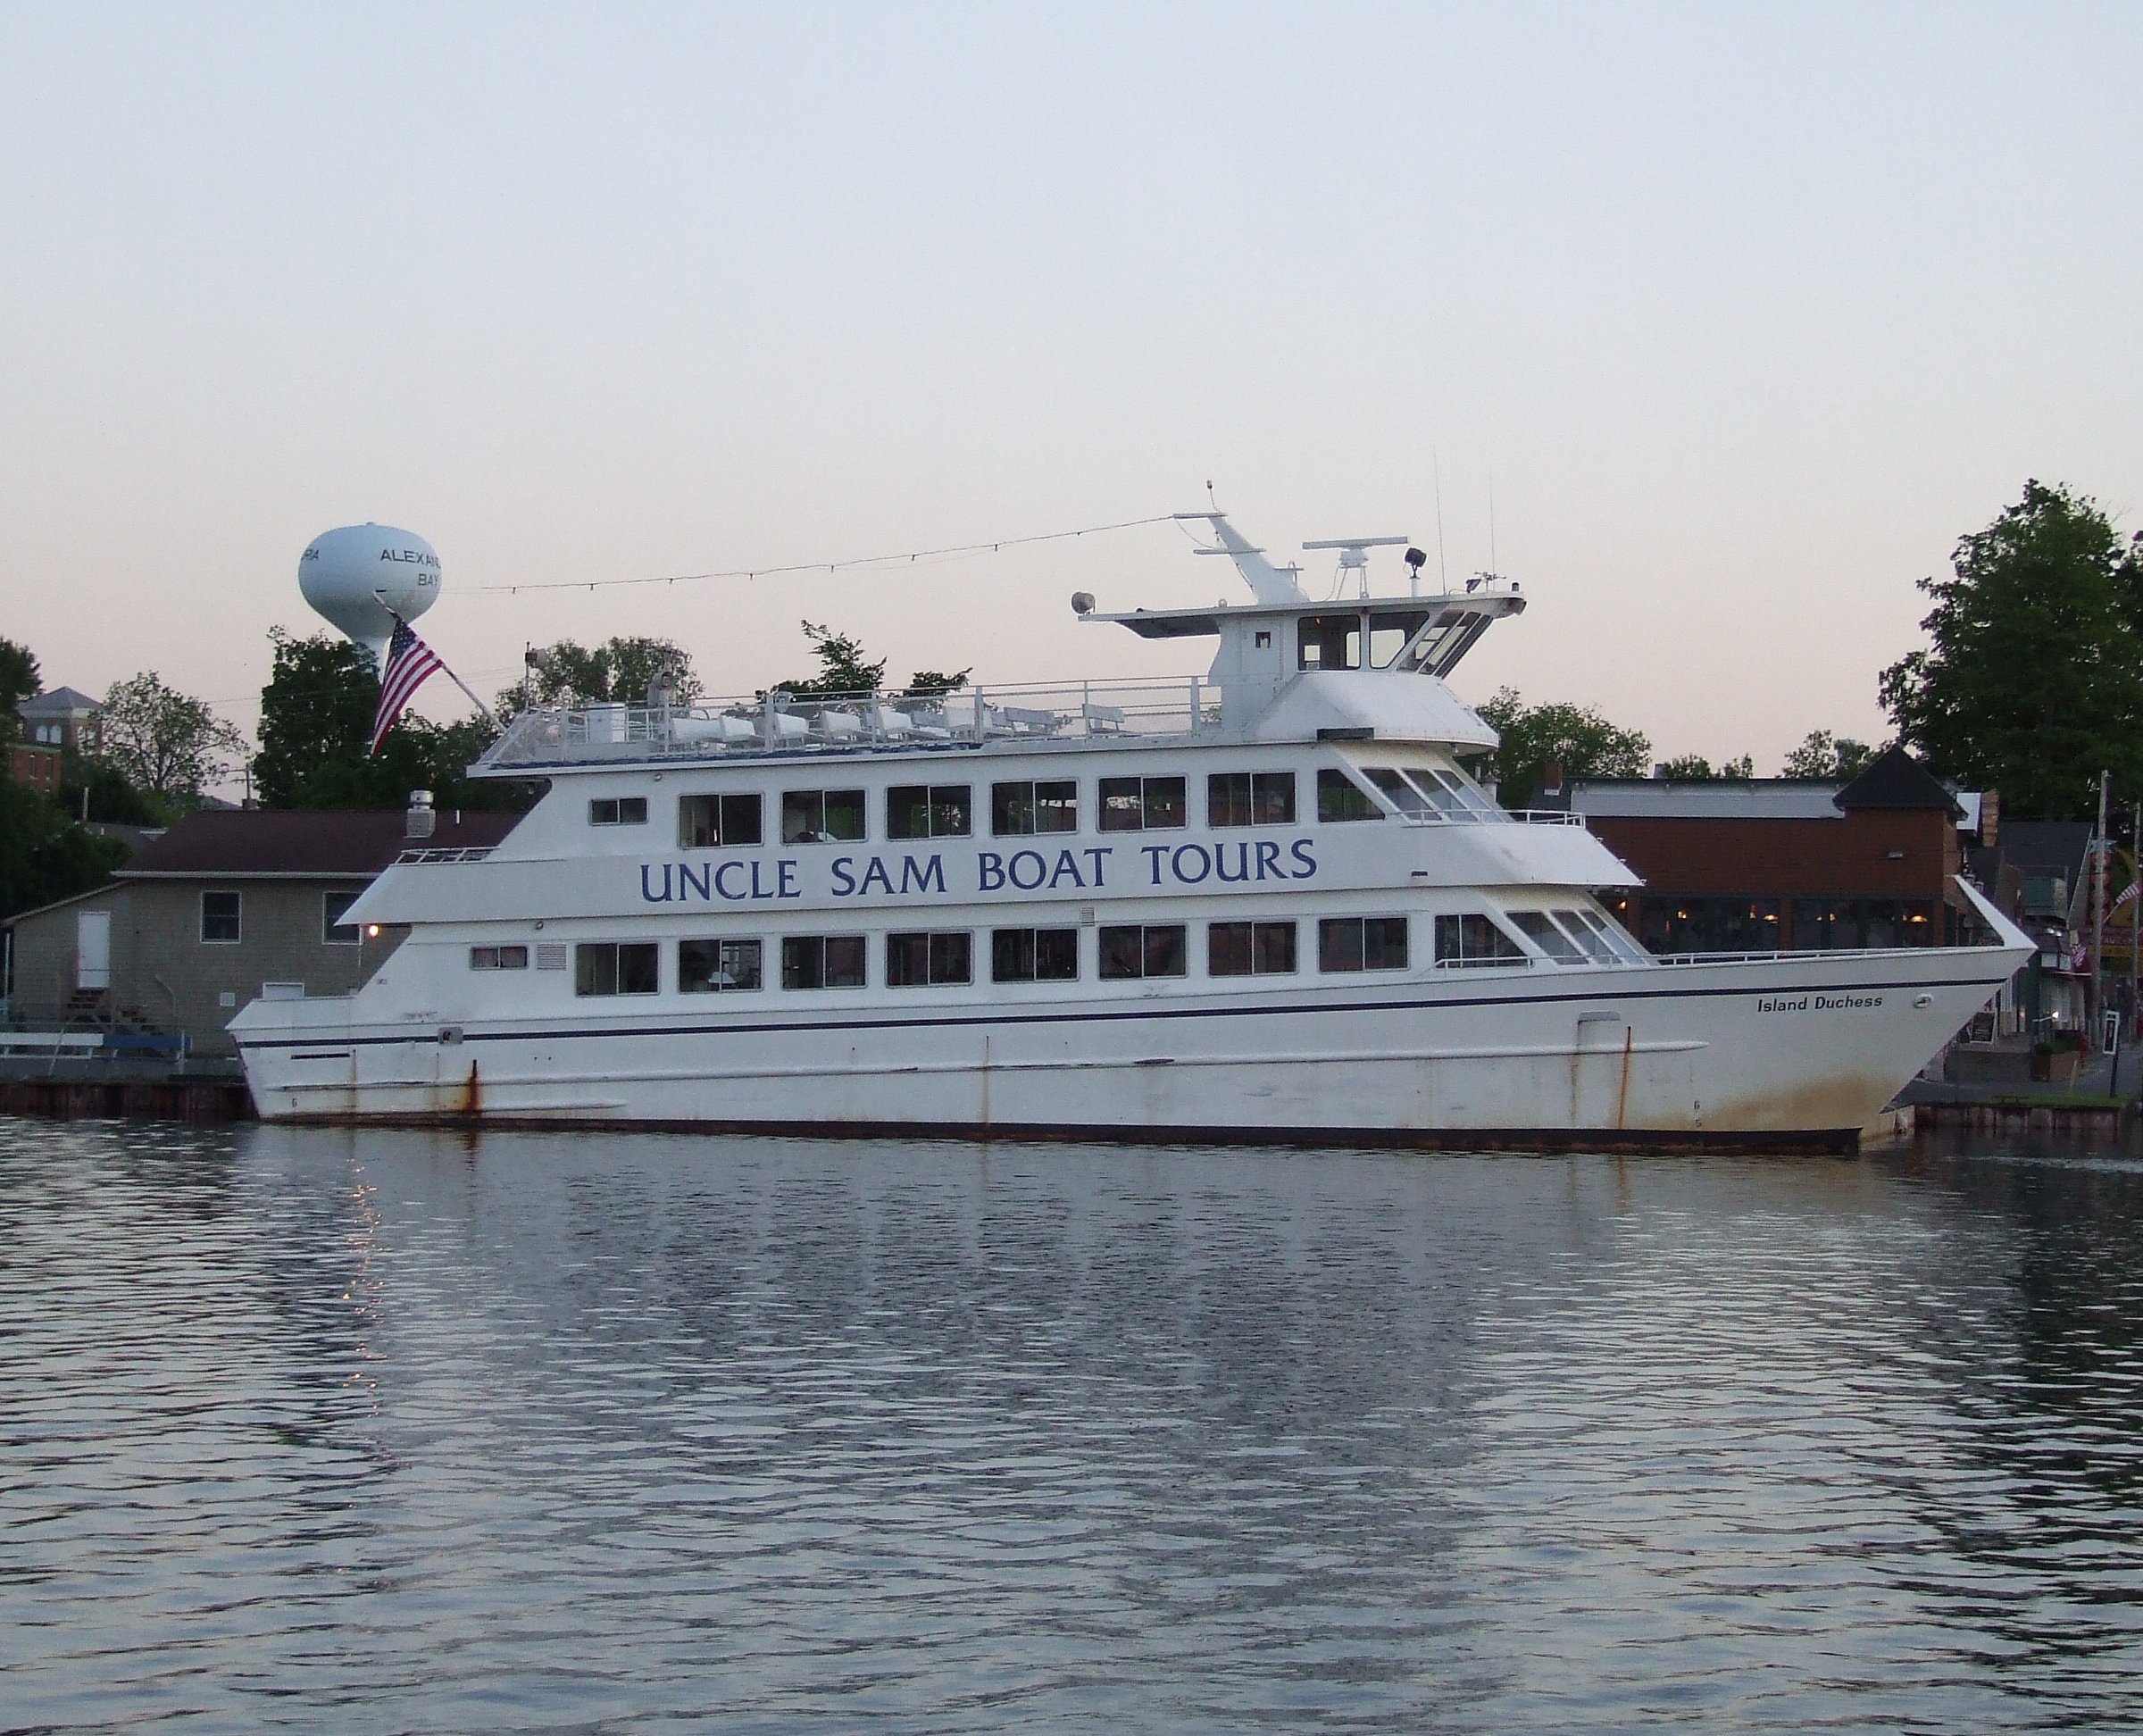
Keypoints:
pixel 843 669
pixel 111 797
pixel 619 670
pixel 44 855
pixel 316 723
pixel 1576 738
pixel 2034 678
pixel 1693 768
pixel 1828 757
pixel 166 744
pixel 19 680
pixel 930 683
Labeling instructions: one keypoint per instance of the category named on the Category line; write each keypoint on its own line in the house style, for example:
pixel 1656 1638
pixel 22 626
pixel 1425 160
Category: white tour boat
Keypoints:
pixel 1266 904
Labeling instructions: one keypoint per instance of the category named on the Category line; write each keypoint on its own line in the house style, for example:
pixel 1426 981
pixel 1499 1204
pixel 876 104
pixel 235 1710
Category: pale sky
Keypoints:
pixel 1743 315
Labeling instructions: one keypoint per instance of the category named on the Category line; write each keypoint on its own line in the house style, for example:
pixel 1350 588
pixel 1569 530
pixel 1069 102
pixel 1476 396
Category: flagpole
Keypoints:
pixel 2098 913
pixel 449 673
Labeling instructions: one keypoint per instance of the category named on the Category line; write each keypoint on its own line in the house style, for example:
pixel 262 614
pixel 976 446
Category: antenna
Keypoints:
pixel 1354 552
pixel 1443 570
pixel 1493 567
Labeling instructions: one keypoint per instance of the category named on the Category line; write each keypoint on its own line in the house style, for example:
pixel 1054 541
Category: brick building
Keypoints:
pixel 49 725
pixel 212 912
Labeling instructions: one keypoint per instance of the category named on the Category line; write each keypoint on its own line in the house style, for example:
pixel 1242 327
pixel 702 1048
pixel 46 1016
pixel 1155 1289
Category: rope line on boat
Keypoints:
pixel 911 555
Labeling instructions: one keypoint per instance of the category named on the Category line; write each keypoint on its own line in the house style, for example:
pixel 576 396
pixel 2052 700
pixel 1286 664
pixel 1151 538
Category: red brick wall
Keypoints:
pixel 1845 857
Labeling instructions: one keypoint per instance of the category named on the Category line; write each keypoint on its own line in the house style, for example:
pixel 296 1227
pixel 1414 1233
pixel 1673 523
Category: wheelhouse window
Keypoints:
pixel 1330 641
pixel 1250 799
pixel 1026 955
pixel 223 922
pixel 706 822
pixel 1020 810
pixel 1362 943
pixel 821 817
pixel 498 959
pixel 1249 949
pixel 618 810
pixel 1341 797
pixel 923 960
pixel 1471 937
pixel 1147 950
pixel 333 930
pixel 615 967
pixel 1401 792
pixel 1540 929
pixel 929 811
pixel 1143 804
pixel 713 967
pixel 822 960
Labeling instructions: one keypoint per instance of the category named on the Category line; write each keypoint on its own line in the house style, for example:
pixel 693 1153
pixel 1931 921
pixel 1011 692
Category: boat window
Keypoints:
pixel 1362 943
pixel 1250 799
pixel 1143 804
pixel 1618 937
pixel 1249 949
pixel 1341 797
pixel 1460 788
pixel 929 811
pixel 1471 937
pixel 615 967
pixel 618 810
pixel 1594 942
pixel 1388 635
pixel 1435 795
pixel 1400 791
pixel 498 959
pixel 916 961
pixel 709 967
pixel 821 817
pixel 708 822
pixel 1330 641
pixel 1544 934
pixel 1152 950
pixel 1018 810
pixel 822 961
pixel 1034 955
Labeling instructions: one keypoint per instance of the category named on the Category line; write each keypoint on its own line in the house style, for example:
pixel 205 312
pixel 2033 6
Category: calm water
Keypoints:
pixel 393 1432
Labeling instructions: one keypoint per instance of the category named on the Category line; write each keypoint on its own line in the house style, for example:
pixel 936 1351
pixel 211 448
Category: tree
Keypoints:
pixel 166 744
pixel 1838 759
pixel 19 680
pixel 2033 681
pixel 316 723
pixel 843 669
pixel 1693 768
pixel 1576 738
pixel 617 672
pixel 44 855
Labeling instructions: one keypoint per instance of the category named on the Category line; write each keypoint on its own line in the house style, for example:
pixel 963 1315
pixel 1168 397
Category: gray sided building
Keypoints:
pixel 226 905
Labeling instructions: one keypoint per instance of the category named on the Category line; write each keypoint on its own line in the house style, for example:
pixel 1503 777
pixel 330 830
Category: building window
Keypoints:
pixel 929 811
pixel 821 817
pixel 705 822
pixel 1143 804
pixel 709 967
pixel 1149 951
pixel 1362 943
pixel 1471 937
pixel 1034 955
pixel 498 959
pixel 917 960
pixel 1249 949
pixel 1830 923
pixel 1018 810
pixel 220 919
pixel 1341 797
pixel 1250 799
pixel 822 960
pixel 618 810
pixel 333 930
pixel 615 967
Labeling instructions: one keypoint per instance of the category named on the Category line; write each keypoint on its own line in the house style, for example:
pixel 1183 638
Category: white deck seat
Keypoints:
pixel 711 728
pixel 1103 719
pixel 838 725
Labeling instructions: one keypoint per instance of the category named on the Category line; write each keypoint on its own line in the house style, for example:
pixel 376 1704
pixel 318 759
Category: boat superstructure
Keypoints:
pixel 1268 902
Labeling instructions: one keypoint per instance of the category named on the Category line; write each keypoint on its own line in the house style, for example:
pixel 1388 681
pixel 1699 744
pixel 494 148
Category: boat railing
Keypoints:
pixel 1489 816
pixel 471 853
pixel 783 724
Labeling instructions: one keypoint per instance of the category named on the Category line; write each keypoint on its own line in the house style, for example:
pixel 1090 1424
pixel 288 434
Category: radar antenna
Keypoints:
pixel 1354 554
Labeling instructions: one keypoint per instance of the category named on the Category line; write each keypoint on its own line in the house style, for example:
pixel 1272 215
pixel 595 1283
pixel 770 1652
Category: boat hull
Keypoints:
pixel 1795 1051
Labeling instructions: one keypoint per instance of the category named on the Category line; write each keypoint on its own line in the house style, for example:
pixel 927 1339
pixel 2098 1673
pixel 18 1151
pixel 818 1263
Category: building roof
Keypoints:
pixel 2043 847
pixel 231 843
pixel 1704 798
pixel 1895 780
pixel 61 702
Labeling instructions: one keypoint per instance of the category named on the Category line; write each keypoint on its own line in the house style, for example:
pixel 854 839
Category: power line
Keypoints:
pixel 910 556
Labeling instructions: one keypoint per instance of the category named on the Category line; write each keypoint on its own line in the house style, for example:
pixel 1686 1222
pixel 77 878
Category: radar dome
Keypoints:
pixel 360 577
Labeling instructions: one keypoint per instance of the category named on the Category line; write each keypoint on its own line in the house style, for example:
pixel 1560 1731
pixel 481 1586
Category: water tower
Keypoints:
pixel 359 578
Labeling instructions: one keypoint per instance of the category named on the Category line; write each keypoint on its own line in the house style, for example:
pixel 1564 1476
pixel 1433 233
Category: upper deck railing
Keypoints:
pixel 783 724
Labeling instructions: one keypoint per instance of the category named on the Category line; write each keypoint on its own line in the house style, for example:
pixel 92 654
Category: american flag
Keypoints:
pixel 410 663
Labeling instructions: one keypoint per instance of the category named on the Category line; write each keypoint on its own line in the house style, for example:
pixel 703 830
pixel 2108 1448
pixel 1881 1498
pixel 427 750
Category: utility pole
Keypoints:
pixel 2098 912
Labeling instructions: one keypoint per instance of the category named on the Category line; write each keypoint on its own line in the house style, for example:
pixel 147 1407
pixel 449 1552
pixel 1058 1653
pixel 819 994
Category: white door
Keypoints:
pixel 93 949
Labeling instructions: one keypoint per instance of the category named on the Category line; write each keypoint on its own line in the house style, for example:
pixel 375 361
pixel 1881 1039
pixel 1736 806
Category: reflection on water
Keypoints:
pixel 393 1430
